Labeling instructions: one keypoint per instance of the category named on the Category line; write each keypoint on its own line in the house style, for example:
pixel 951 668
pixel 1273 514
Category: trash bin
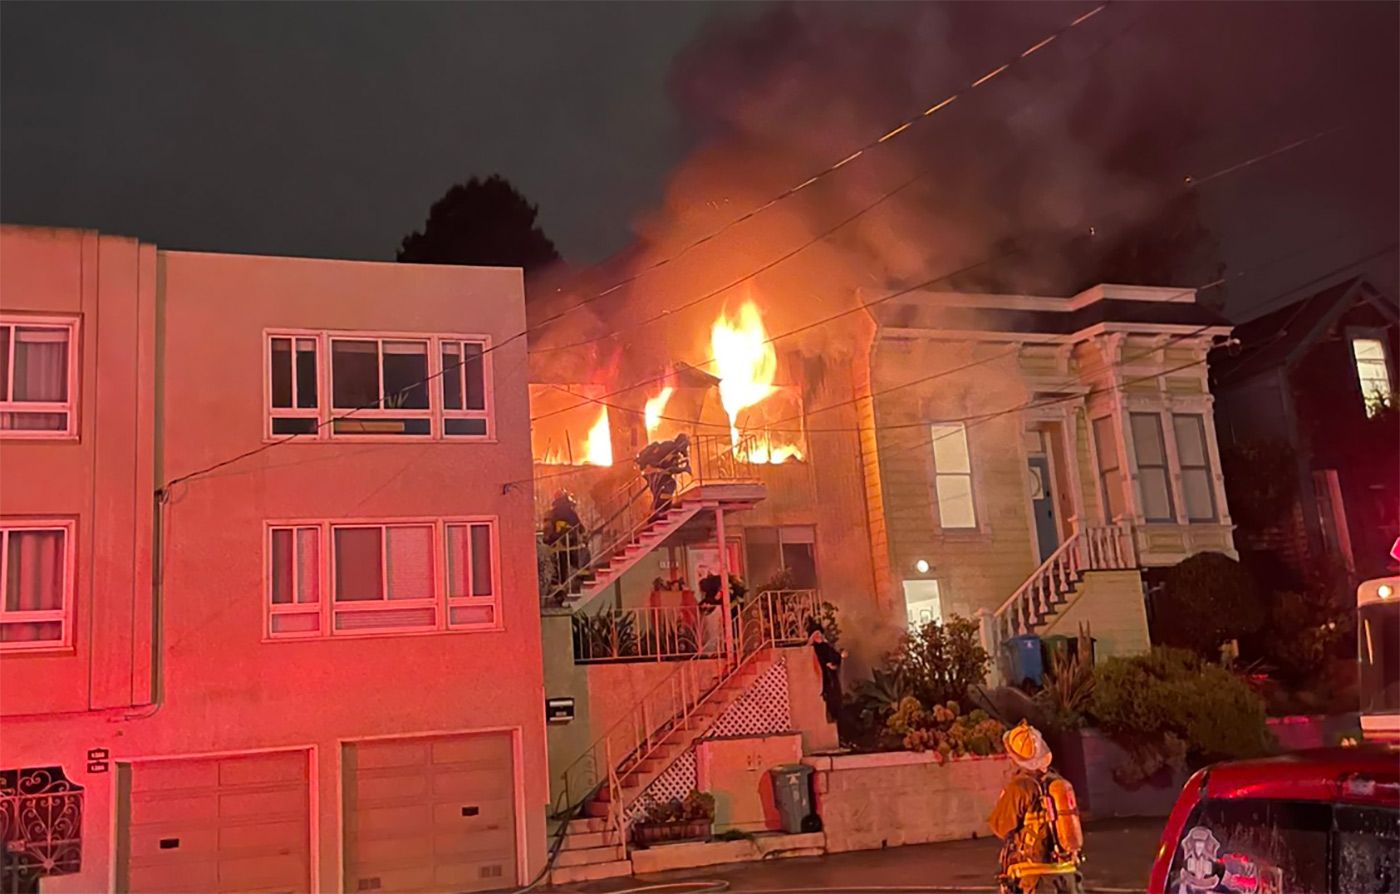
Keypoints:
pixel 1025 660
pixel 792 792
pixel 1057 644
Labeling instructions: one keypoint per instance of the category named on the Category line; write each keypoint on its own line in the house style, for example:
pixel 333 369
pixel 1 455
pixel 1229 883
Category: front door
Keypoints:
pixel 1047 536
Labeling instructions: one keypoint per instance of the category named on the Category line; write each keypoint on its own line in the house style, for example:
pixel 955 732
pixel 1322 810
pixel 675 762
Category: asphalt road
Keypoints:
pixel 1119 855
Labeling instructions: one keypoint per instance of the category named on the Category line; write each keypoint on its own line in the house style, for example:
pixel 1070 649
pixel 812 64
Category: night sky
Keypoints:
pixel 327 129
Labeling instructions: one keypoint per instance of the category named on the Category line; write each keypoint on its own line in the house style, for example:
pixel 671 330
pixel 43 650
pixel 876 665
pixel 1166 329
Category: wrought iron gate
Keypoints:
pixel 41 827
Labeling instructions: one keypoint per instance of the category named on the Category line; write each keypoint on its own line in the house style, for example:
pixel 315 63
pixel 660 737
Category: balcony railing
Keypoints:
pixel 673 633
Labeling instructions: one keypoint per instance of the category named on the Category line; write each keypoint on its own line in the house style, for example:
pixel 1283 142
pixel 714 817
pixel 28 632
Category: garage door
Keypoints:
pixel 430 814
pixel 218 824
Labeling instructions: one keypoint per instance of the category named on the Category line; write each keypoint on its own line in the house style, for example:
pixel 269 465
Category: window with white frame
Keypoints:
pixel 1197 483
pixel 1110 467
pixel 1154 477
pixel 368 384
pixel 333 579
pixel 1372 373
pixel 294 376
pixel 952 467
pixel 38 377
pixel 37 573
pixel 463 388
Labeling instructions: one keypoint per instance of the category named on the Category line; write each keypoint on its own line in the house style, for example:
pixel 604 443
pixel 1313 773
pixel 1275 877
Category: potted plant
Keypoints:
pixel 676 820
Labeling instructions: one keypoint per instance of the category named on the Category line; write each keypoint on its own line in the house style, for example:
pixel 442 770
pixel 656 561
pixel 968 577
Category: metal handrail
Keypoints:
pixel 713 458
pixel 762 622
pixel 661 633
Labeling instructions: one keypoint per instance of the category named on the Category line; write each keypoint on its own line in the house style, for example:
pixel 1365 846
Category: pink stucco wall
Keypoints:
pixel 223 688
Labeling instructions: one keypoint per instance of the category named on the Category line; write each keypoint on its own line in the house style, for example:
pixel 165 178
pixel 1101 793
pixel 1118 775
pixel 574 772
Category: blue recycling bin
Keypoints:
pixel 1025 661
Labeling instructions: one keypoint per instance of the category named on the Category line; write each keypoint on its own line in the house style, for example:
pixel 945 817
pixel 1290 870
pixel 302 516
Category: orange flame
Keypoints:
pixel 745 362
pixel 598 448
pixel 653 410
pixel 746 365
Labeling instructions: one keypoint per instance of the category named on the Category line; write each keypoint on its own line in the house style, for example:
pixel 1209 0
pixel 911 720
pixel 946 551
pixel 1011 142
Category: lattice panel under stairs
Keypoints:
pixel 762 710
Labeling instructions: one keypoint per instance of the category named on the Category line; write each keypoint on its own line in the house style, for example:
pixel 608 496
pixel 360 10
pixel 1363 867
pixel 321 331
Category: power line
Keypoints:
pixel 979 418
pixel 834 166
pixel 820 175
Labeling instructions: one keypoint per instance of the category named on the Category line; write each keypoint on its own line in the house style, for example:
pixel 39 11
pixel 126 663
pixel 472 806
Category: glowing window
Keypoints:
pixel 36 569
pixel 952 483
pixel 1372 373
pixel 38 377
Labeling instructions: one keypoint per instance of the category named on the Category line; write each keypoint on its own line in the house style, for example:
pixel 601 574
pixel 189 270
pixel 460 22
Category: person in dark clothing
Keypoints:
pixel 660 462
pixel 829 660
pixel 565 536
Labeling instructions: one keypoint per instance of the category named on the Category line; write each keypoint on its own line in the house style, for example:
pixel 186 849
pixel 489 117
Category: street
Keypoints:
pixel 1119 853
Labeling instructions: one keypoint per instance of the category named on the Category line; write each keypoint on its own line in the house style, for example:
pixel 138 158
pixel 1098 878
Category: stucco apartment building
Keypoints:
pixel 255 636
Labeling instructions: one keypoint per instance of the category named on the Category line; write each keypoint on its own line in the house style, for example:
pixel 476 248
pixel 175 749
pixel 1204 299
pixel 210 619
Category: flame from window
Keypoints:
pixel 653 410
pixel 745 365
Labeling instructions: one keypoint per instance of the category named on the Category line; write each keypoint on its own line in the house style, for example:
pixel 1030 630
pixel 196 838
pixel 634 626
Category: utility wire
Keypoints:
pixel 163 491
pixel 979 418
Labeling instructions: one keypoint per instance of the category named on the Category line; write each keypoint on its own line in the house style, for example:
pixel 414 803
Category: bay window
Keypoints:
pixel 1110 468
pixel 1154 479
pixel 1197 482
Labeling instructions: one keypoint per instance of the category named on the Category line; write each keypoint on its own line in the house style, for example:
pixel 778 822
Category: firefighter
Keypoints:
pixel 1038 819
pixel 660 462
pixel 565 536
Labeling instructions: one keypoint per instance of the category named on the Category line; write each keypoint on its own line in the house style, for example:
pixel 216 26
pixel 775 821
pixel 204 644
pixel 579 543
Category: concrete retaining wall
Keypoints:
pixel 869 801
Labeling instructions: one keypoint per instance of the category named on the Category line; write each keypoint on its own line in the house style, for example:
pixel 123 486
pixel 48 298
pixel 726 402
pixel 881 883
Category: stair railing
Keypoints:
pixel 674 702
pixel 1093 548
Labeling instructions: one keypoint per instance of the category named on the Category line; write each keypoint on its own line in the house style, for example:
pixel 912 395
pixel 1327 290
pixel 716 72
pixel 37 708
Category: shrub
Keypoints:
pixel 944 730
pixel 941 662
pixel 1068 693
pixel 1206 600
pixel 1170 708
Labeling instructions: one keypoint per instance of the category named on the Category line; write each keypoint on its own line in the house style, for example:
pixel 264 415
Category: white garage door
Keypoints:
pixel 432 814
pixel 229 824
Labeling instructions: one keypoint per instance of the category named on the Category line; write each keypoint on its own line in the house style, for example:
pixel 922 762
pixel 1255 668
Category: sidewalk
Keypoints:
pixel 1120 853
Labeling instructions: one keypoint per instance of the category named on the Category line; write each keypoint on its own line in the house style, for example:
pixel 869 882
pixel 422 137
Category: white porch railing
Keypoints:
pixel 669 633
pixel 1095 548
pixel 768 619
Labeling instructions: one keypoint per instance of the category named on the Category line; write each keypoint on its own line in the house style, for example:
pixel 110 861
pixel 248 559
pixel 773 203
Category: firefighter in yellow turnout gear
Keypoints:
pixel 1038 819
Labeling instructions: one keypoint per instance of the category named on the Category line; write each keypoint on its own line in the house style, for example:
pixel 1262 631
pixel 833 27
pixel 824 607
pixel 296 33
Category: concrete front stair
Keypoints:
pixel 605 570
pixel 591 851
pixel 677 737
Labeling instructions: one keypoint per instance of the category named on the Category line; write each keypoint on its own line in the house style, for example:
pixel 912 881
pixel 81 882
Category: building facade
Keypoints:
pixel 1319 394
pixel 270 619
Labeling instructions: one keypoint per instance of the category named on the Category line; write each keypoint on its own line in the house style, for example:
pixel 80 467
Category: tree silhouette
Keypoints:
pixel 486 222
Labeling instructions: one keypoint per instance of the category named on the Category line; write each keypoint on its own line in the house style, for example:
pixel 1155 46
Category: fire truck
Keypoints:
pixel 1378 651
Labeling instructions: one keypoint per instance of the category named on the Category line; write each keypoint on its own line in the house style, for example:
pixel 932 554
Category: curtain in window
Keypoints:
pixel 41 376
pixel 34 582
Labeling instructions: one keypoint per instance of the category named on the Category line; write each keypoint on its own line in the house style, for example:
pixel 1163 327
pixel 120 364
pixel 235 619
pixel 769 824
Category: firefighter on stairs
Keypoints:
pixel 1038 819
